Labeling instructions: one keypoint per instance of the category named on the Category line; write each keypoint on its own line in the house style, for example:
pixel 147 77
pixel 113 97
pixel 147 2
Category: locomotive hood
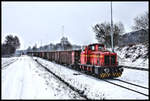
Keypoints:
pixel 107 52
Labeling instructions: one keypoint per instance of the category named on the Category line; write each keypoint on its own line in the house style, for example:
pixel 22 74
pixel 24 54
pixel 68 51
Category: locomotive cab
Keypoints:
pixel 93 54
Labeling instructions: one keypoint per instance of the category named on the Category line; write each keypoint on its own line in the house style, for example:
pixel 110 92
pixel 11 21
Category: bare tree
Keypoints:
pixel 103 32
pixel 141 22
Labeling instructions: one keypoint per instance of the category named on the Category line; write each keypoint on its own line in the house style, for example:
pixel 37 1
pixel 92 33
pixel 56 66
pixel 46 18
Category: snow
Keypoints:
pixel 25 79
pixel 7 60
pixel 136 56
pixel 136 76
pixel 95 89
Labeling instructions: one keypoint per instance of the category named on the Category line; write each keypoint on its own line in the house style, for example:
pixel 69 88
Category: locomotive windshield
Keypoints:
pixel 100 47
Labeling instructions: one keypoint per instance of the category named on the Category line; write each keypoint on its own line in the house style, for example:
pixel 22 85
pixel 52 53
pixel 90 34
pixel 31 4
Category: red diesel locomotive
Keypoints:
pixel 94 59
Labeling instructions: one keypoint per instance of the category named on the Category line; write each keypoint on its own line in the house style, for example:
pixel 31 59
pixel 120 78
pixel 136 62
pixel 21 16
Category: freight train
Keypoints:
pixel 94 60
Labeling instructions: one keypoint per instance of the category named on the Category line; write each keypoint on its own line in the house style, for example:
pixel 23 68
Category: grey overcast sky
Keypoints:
pixel 41 22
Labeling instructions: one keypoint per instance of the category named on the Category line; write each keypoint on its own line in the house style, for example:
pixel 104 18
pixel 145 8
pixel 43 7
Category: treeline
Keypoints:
pixel 10 45
pixel 103 30
pixel 63 45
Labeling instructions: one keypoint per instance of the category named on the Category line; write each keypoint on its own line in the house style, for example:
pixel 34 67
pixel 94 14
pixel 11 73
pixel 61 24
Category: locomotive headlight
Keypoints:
pixel 106 70
pixel 101 56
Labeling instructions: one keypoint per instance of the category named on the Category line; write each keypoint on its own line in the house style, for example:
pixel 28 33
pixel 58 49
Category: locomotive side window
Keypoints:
pixel 92 48
pixel 83 48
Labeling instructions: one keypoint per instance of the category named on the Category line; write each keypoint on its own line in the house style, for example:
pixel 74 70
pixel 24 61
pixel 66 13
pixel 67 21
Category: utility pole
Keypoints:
pixel 112 29
pixel 62 30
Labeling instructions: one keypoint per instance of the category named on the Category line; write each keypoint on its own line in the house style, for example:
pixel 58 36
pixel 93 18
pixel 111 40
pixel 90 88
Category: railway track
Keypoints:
pixel 118 84
pixel 131 89
pixel 5 65
pixel 113 81
pixel 131 83
pixel 80 92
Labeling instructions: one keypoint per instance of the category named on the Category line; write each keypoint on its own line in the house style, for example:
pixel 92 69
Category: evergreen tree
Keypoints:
pixel 10 45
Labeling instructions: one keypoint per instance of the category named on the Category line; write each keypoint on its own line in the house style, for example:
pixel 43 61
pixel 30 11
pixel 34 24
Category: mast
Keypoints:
pixel 62 37
pixel 62 30
pixel 112 29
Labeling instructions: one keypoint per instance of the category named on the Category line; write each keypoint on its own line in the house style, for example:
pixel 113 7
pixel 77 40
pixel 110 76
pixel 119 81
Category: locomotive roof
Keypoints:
pixel 96 44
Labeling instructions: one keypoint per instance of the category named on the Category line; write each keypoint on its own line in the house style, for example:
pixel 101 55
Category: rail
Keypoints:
pixel 7 64
pixel 131 83
pixel 66 83
pixel 126 87
pixel 137 68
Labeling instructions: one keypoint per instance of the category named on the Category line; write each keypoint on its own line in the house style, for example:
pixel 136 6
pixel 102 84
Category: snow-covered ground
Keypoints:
pixel 134 56
pixel 25 79
pixel 7 60
pixel 98 89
